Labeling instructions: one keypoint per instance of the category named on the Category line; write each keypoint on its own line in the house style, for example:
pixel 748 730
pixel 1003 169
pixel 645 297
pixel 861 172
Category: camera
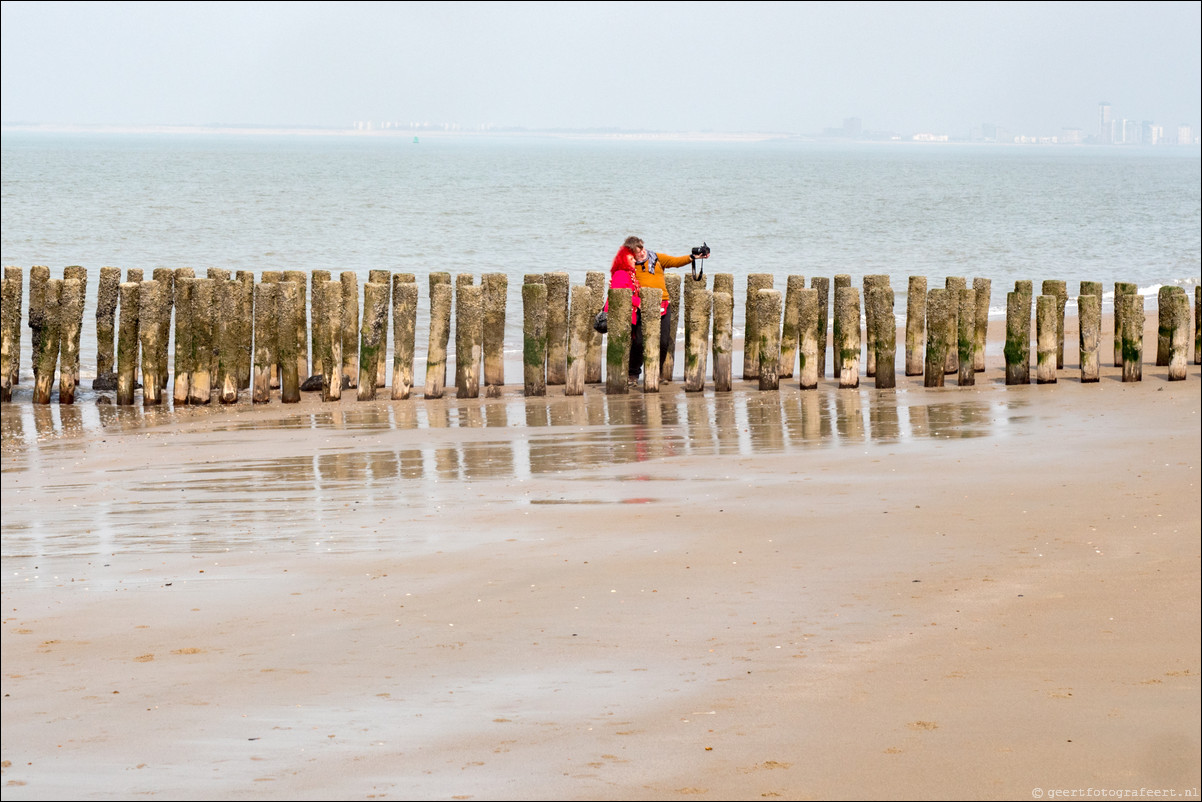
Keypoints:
pixel 703 250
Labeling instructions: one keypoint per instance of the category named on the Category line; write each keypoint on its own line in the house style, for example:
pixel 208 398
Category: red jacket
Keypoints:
pixel 622 277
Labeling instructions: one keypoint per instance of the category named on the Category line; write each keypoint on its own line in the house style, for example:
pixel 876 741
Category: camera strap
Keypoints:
pixel 697 275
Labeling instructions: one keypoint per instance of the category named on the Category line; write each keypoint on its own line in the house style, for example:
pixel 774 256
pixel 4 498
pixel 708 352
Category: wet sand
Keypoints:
pixel 983 593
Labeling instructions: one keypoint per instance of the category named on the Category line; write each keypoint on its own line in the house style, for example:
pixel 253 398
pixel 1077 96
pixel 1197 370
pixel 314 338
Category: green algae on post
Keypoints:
pixel 916 320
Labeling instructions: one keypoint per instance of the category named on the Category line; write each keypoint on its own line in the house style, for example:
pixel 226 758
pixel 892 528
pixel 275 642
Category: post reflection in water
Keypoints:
pixel 402 456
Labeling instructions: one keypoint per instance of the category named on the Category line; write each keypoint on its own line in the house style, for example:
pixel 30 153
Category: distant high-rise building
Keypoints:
pixel 1105 124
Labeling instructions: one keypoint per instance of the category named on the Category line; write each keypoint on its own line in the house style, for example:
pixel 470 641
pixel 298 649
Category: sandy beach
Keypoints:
pixel 982 592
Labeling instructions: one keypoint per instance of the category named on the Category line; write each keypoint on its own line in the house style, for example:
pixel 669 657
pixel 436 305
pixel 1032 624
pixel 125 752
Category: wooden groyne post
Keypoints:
pixel 649 304
pixel 823 286
pixel 673 282
pixel 697 337
pixel 938 310
pixel 558 284
pixel 982 287
pixel 267 316
pixel 10 329
pixel 496 285
pixel 127 341
pixel 404 331
pixel 1018 337
pixel 594 353
pixel 440 333
pixel 954 284
pixel 1178 334
pixel 229 340
pixel 1058 290
pixel 200 384
pixel 916 319
pixel 382 277
pixel 291 305
pixel 580 334
pixel 469 339
pixel 1089 318
pixel 846 333
pixel 871 282
pixel 882 336
pixel 350 330
pixel 767 316
pixel 1121 288
pixel 724 310
pixel 330 304
pixel 1045 338
pixel 751 343
pixel 966 339
pixel 70 312
pixel 373 337
pixel 808 339
pixel 790 338
pixel 617 351
pixel 152 308
pixel 1130 311
pixel 534 337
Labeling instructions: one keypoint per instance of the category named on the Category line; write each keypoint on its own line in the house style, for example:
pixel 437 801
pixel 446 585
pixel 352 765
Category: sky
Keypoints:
pixel 744 67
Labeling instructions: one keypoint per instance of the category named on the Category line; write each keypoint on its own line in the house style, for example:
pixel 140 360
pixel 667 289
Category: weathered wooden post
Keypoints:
pixel 166 278
pixel 1018 338
pixel 983 288
pixel 1089 319
pixel 966 318
pixel 404 329
pixel 697 335
pixel 79 274
pixel 290 304
pixel 1091 288
pixel 916 318
pixel 789 336
pixel 372 337
pixel 381 375
pixel 469 339
pixel 229 340
pixel 938 309
pixel 267 315
pixel 10 320
pixel 724 310
pixel 14 278
pixel 580 331
pixel 649 303
pixel 184 349
pixel 557 327
pixel 846 333
pixel 495 287
pixel 1131 311
pixel 70 321
pixel 1058 290
pixel 617 352
pixel 1045 337
pixel 823 286
pixel 39 280
pixel 1178 334
pixel 768 316
pixel 1164 324
pixel 673 282
pixel 127 341
pixel 882 336
pixel 808 338
pixel 534 337
pixel 302 326
pixel 954 284
pixel 594 353
pixel 316 335
pixel 688 287
pixel 331 343
pixel 200 385
pixel 440 334
pixel 350 329
pixel 244 300
pixel 152 308
pixel 870 282
pixel 1120 288
pixel 751 340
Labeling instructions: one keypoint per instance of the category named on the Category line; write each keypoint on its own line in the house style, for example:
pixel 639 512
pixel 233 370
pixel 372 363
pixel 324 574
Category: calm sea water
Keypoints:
pixel 532 205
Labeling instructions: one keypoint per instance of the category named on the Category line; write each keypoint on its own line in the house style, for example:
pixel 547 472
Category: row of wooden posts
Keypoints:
pixel 232 334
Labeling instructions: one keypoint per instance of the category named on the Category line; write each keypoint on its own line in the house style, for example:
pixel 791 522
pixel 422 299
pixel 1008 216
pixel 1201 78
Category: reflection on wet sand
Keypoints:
pixel 407 456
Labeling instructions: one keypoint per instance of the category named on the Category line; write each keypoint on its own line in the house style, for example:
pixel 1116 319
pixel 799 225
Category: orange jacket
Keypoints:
pixel 651 273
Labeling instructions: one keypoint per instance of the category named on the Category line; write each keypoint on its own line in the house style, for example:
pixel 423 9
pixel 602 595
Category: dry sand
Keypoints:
pixel 982 593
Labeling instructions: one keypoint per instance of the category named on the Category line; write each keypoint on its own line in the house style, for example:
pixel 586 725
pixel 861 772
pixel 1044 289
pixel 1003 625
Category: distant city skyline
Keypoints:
pixel 1035 69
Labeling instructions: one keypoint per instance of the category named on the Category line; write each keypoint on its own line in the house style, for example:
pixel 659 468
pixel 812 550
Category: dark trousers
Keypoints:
pixel 635 368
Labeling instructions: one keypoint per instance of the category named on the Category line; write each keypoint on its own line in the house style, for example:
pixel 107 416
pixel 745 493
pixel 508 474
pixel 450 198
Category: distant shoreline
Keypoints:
pixel 585 135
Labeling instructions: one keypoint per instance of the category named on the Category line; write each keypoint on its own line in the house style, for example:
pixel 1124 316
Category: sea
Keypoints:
pixel 522 204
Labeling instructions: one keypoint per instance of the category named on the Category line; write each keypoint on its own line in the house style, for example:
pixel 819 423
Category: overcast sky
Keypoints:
pixel 730 67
